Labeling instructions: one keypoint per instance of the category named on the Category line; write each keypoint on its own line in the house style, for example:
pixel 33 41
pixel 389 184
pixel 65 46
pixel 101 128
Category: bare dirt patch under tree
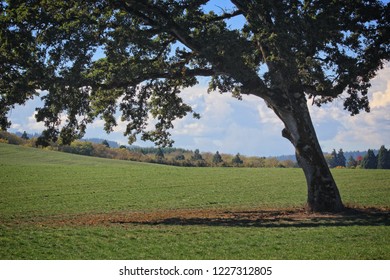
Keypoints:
pixel 289 217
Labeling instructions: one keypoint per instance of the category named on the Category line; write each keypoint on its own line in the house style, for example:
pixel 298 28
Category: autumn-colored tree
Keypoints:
pixel 352 163
pixel 359 160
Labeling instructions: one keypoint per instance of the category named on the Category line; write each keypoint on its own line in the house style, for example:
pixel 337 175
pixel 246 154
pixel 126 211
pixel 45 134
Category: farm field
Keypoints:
pixel 61 206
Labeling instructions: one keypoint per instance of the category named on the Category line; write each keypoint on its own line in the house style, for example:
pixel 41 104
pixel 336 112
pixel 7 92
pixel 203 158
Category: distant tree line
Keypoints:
pixel 381 160
pixel 189 158
pixel 169 156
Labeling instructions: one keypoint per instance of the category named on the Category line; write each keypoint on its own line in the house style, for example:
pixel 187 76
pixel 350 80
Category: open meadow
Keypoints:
pixel 62 206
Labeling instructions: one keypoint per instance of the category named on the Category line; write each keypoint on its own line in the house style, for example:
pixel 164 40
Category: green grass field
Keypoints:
pixel 51 203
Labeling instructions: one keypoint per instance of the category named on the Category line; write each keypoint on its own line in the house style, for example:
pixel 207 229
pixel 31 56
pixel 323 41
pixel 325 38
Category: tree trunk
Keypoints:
pixel 323 194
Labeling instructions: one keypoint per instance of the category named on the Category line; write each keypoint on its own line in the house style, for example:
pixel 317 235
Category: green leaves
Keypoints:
pixel 156 100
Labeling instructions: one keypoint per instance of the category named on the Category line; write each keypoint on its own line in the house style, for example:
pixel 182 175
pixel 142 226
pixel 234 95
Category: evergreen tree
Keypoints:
pixel 351 162
pixel 197 155
pixel 341 158
pixel 159 154
pixel 237 160
pixel 369 160
pixel 337 159
pixel 25 136
pixel 217 158
pixel 383 158
pixel 105 143
pixel 333 159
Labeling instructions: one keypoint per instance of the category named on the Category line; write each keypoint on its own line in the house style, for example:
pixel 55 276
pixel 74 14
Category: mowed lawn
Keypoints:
pixel 42 192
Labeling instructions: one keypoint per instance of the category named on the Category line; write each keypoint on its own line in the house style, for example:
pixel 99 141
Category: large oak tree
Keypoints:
pixel 285 52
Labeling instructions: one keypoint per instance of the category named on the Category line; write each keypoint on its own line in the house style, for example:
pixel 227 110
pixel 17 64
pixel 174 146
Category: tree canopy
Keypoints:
pixel 151 50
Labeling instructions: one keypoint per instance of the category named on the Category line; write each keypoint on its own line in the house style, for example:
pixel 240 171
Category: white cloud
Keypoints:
pixel 229 125
pixel 360 132
pixel 120 127
pixel 98 123
pixel 185 127
pixel 366 130
pixel 33 125
pixel 16 126
pixel 381 89
pixel 29 124
pixel 267 116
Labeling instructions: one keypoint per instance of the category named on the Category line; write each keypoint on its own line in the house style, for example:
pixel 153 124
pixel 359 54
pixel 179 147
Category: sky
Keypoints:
pixel 249 127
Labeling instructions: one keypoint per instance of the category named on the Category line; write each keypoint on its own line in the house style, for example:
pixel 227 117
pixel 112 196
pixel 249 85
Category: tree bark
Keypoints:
pixel 323 194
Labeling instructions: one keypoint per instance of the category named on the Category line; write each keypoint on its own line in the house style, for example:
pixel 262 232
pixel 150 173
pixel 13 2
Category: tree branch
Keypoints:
pixel 157 75
pixel 157 17
pixel 225 16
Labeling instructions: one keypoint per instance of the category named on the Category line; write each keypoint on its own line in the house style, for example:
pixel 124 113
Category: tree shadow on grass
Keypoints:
pixel 273 218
